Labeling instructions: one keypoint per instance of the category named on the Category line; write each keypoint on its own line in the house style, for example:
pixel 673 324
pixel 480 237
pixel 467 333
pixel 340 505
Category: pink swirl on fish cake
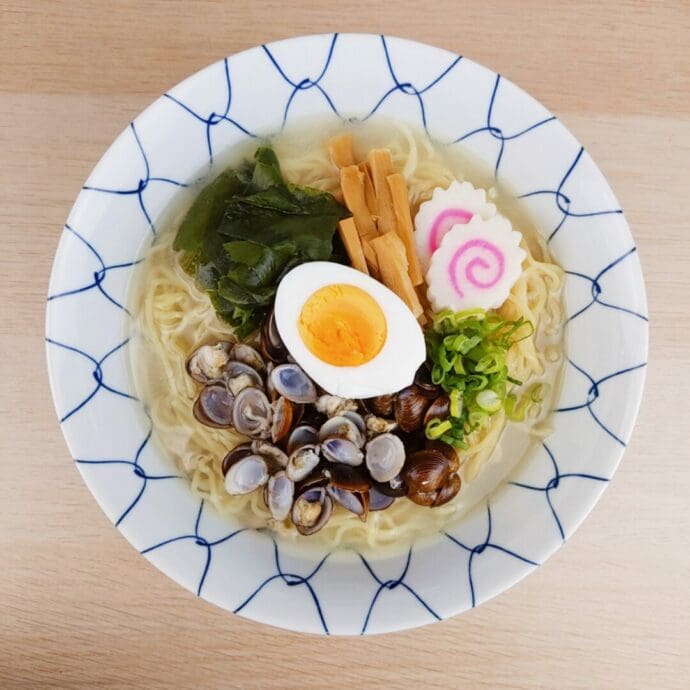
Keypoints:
pixel 443 222
pixel 476 265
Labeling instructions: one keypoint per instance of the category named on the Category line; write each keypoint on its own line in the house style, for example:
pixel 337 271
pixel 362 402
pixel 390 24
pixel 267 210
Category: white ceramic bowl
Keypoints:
pixel 255 93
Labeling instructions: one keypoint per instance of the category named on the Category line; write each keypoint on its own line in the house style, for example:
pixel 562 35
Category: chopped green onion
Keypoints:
pixel 455 403
pixel 467 353
pixel 489 401
pixel 436 427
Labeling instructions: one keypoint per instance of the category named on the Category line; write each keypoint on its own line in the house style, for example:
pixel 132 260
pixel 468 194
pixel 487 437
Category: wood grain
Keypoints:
pixel 79 607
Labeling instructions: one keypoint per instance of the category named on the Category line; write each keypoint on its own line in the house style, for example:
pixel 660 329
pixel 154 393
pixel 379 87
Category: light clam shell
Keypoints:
pixel 342 450
pixel 302 462
pixel 246 475
pixel 292 383
pixel 274 456
pixel 311 510
pixel 207 363
pixel 239 376
pixel 354 501
pixel 252 414
pixel 385 456
pixel 278 495
pixel 214 406
pixel 378 425
pixel 302 436
pixel 342 427
pixel 241 352
pixel 332 405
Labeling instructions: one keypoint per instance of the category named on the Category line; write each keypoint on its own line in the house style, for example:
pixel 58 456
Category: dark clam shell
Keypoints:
pixel 270 343
pixel 439 409
pixel 423 498
pixel 410 407
pixel 448 491
pixel 448 452
pixel 381 405
pixel 395 488
pixel 422 380
pixel 425 471
pixel 434 499
pixel 348 477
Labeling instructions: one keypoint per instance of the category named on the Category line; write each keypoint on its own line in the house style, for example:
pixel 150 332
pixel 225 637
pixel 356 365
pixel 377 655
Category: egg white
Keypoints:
pixel 390 370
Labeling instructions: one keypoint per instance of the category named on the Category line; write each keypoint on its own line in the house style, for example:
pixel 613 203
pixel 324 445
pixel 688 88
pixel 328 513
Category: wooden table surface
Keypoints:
pixel 79 606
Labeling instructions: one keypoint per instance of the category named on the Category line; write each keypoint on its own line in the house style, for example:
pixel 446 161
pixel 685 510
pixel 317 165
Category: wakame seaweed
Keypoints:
pixel 247 229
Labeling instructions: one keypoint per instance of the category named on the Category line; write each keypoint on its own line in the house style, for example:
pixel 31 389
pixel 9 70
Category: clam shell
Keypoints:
pixel 239 376
pixel 448 491
pixel 241 352
pixel 237 453
pixel 246 475
pixel 311 510
pixel 214 406
pixel 252 414
pixel 342 450
pixel 302 436
pixel 278 495
pixel 207 362
pixel 410 407
pixel 302 462
pixel 292 383
pixel 425 471
pixel 342 427
pixel 385 457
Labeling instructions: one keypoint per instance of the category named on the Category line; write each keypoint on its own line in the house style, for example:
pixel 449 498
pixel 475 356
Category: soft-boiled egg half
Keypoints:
pixel 352 335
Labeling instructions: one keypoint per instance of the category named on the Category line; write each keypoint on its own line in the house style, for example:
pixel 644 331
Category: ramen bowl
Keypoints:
pixel 255 94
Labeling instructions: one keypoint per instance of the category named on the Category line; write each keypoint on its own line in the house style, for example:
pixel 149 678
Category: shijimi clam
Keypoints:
pixel 385 457
pixel 349 461
pixel 252 414
pixel 246 475
pixel 360 460
pixel 207 363
pixel 279 494
pixel 214 406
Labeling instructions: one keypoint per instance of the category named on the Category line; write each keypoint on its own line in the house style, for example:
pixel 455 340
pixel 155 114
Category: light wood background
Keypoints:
pixel 79 606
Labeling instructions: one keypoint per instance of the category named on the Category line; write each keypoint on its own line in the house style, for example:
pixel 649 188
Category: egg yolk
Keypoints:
pixel 342 325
